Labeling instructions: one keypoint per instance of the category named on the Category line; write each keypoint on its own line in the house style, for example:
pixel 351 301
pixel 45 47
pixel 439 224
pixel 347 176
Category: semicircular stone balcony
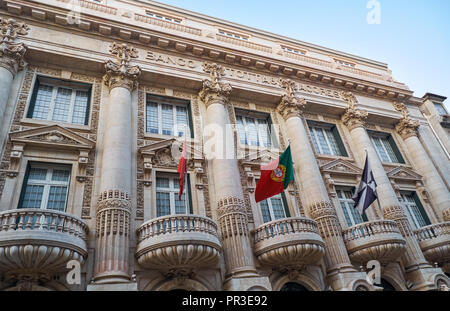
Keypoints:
pixel 376 240
pixel 178 242
pixel 434 240
pixel 37 243
pixel 288 242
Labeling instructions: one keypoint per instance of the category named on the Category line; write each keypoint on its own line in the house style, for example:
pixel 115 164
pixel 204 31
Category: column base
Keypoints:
pixel 246 283
pixel 110 287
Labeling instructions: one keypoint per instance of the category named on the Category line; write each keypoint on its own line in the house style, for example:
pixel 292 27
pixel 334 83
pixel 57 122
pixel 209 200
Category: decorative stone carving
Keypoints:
pixel 120 73
pixel 353 117
pixel 214 90
pixel 290 105
pixel 446 214
pixel 406 127
pixel 12 53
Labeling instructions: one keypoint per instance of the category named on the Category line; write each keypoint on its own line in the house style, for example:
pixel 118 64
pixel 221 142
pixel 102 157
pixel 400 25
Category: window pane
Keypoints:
pixel 346 215
pixel 241 130
pixel 264 132
pixel 152 118
pixel 62 104
pixel 265 211
pixel 182 120
pixel 80 107
pixel 162 204
pixel 356 215
pixel 162 182
pixel 314 139
pixel 42 103
pixel 322 142
pixel 380 150
pixel 37 173
pixel 252 132
pixel 60 175
pixel 332 140
pixel 389 150
pixel 440 108
pixel 33 196
pixel 167 119
pixel 57 198
pixel 180 205
pixel 278 209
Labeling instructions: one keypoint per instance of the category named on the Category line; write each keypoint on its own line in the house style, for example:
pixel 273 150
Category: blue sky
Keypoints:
pixel 413 37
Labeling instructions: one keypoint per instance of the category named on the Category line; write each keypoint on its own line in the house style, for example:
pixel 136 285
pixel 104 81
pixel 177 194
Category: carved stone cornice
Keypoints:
pixel 290 105
pixel 353 117
pixel 213 90
pixel 12 53
pixel 119 73
pixel 406 127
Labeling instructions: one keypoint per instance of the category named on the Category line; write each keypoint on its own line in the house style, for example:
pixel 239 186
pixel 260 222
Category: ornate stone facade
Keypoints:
pixel 121 217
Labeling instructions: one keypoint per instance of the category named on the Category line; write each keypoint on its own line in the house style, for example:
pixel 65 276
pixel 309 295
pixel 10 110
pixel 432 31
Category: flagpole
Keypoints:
pixel 378 200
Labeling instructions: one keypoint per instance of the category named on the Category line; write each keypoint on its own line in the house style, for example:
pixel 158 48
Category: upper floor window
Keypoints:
pixel 233 35
pixel 274 208
pixel 351 214
pixel 416 212
pixel 440 109
pixel 344 63
pixel 292 50
pixel 254 128
pixel 326 139
pixel 167 189
pixel 167 116
pixel 163 17
pixel 60 101
pixel 386 148
pixel 45 186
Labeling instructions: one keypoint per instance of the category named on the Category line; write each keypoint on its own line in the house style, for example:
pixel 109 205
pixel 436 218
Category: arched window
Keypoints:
pixel 293 287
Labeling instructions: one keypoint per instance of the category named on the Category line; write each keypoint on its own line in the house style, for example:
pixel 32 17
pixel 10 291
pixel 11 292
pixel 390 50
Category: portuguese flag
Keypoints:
pixel 275 177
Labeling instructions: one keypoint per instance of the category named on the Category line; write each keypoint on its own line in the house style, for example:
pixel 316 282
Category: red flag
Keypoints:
pixel 182 169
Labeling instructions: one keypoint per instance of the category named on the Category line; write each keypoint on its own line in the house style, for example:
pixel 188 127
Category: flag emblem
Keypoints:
pixel 279 173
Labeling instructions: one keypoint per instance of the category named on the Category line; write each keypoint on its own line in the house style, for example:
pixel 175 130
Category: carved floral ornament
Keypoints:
pixel 353 117
pixel 406 127
pixel 119 73
pixel 12 53
pixel 213 89
pixel 290 105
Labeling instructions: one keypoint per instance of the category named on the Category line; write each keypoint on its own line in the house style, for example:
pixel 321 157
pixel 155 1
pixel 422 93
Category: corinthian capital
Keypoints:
pixel 406 127
pixel 213 89
pixel 11 52
pixel 353 117
pixel 119 73
pixel 290 105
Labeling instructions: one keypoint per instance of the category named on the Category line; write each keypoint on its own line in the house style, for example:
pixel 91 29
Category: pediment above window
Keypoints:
pixel 404 173
pixel 259 158
pixel 340 167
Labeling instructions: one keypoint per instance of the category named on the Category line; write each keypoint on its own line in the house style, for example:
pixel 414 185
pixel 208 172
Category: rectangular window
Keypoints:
pixel 386 148
pixel 274 208
pixel 161 17
pixel 351 214
pixel 254 129
pixel 326 139
pixel 292 50
pixel 415 210
pixel 440 109
pixel 46 186
pixel 233 35
pixel 167 189
pixel 60 101
pixel 168 116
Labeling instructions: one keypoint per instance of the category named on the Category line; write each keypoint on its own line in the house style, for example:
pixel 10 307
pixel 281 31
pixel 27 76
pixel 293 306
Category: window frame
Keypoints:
pixel 436 105
pixel 388 138
pixel 410 209
pixel 255 115
pixel 349 206
pixel 56 84
pixel 47 183
pixel 174 102
pixel 334 131
pixel 173 193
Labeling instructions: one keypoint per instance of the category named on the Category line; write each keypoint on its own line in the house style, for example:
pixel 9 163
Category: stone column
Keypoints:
pixel 419 270
pixel 231 209
pixel 11 59
pixel 314 193
pixel 114 204
pixel 407 129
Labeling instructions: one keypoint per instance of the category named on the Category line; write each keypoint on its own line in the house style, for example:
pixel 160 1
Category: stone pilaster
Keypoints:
pixel 408 130
pixel 231 210
pixel 114 204
pixel 11 57
pixel 417 268
pixel 318 205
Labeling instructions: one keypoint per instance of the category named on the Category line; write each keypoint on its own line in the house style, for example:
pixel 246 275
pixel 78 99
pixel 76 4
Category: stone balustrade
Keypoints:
pixel 288 242
pixel 38 242
pixel 376 240
pixel 434 240
pixel 178 242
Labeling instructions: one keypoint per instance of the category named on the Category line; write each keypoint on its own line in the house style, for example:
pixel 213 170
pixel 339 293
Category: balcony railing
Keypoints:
pixel 178 241
pixel 434 241
pixel 379 240
pixel 288 242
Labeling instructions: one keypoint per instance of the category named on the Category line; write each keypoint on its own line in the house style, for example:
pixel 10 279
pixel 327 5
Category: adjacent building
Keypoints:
pixel 96 99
